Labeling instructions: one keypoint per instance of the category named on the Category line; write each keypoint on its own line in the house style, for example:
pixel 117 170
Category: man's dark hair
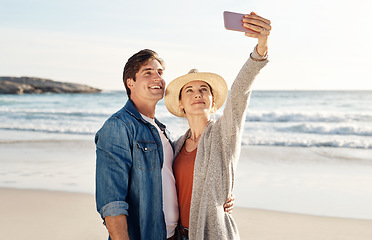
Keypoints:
pixel 134 64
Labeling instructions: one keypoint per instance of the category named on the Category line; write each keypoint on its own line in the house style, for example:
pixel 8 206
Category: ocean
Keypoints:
pixel 339 119
pixel 304 152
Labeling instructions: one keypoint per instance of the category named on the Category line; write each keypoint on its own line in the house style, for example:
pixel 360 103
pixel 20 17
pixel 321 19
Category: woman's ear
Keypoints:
pixel 181 107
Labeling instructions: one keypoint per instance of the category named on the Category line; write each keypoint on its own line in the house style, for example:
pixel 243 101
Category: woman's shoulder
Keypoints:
pixel 180 141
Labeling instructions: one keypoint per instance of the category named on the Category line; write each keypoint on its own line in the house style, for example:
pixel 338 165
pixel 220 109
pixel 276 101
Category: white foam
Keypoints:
pixel 306 116
pixel 357 129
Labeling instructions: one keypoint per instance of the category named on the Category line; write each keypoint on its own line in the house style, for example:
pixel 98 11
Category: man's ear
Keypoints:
pixel 130 82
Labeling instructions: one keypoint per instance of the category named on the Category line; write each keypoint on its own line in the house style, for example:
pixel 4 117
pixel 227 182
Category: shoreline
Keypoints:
pixel 37 190
pixel 315 181
pixel 29 214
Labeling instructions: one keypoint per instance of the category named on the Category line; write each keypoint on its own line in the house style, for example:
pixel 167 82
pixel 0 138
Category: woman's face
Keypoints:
pixel 196 98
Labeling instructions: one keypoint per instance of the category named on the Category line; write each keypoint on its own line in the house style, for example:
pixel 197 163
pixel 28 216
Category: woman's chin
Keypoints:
pixel 201 113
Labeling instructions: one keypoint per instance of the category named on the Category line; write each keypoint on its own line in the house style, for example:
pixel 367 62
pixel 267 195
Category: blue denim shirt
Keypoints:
pixel 128 173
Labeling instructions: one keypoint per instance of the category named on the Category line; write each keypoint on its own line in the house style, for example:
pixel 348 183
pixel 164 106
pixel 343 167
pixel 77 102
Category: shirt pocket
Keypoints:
pixel 146 155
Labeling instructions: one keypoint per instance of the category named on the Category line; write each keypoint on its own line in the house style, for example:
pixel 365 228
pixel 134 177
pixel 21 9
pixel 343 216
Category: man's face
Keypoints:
pixel 149 85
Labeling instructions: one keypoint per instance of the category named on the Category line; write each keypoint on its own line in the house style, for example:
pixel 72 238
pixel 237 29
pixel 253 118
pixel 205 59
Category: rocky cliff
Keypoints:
pixel 21 85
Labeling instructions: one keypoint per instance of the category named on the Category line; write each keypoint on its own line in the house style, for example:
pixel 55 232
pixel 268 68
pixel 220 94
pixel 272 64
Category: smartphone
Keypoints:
pixel 233 21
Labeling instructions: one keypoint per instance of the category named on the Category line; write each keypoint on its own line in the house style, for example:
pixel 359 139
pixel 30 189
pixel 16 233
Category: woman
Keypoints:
pixel 207 154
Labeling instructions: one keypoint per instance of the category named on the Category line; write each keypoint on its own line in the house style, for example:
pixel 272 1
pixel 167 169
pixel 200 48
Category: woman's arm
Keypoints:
pixel 262 28
pixel 232 122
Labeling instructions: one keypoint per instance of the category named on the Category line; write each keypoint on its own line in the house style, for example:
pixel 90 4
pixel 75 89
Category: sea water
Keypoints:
pixel 340 119
pixel 330 130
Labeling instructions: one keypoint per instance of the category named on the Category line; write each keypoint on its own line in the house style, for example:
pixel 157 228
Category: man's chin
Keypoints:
pixel 159 96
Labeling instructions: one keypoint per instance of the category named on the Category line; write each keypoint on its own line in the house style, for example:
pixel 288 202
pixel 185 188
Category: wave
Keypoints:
pixel 307 117
pixel 327 130
pixel 52 130
pixel 72 113
pixel 252 116
pixel 290 140
pixel 335 143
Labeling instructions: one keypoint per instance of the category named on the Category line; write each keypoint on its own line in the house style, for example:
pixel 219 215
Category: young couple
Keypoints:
pixel 148 187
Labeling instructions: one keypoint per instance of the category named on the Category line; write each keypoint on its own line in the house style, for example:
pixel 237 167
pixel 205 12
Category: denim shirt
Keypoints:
pixel 128 173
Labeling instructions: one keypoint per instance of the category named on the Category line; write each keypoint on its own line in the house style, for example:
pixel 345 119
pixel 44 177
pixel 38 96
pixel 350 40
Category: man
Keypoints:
pixel 134 177
pixel 135 186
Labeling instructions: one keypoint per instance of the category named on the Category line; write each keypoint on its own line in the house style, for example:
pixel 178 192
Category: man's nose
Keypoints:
pixel 158 77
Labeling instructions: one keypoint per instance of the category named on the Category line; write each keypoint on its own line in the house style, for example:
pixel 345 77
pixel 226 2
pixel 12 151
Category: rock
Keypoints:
pixel 21 85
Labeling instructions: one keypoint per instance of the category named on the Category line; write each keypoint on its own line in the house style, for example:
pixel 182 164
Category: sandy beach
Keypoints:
pixel 298 179
pixel 36 214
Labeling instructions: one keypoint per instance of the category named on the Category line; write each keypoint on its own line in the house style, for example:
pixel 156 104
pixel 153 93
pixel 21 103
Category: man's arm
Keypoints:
pixel 117 227
pixel 113 165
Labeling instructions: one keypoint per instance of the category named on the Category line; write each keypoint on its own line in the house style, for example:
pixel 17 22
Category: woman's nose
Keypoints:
pixel 198 95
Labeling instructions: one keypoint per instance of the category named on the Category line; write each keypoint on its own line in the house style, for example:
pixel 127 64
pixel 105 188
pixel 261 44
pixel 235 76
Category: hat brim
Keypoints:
pixel 217 83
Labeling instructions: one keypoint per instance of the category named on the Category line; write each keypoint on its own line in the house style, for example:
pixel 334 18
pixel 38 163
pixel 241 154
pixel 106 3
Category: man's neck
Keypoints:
pixel 145 108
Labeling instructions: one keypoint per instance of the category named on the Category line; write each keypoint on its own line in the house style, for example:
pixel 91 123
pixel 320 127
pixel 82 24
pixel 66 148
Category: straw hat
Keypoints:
pixel 218 84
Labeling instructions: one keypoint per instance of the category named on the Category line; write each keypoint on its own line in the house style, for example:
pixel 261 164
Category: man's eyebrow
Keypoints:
pixel 151 69
pixel 147 69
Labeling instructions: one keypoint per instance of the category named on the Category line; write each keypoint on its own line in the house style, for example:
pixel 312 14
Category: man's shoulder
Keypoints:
pixel 124 116
pixel 118 123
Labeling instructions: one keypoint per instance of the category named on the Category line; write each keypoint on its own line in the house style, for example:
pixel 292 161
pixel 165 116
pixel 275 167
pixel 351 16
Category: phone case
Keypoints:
pixel 233 21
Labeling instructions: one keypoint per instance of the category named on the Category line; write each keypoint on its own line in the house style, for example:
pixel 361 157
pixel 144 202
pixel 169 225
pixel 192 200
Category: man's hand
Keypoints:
pixel 229 204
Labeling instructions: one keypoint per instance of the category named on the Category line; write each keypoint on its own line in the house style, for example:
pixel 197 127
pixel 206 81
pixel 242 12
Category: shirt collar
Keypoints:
pixel 129 106
pixel 131 109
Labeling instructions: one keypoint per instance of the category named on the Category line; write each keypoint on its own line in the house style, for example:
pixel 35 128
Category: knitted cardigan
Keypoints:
pixel 216 160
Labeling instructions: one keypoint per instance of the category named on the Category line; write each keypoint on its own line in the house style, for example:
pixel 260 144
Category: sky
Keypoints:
pixel 314 45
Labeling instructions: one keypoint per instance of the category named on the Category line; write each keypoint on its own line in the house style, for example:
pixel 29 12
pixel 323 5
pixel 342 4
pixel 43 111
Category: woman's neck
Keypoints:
pixel 197 125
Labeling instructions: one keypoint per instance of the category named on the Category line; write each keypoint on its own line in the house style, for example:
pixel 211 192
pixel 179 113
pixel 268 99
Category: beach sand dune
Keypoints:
pixel 37 214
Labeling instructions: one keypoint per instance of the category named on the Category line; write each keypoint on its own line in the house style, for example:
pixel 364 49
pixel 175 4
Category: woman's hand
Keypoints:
pixel 229 204
pixel 261 28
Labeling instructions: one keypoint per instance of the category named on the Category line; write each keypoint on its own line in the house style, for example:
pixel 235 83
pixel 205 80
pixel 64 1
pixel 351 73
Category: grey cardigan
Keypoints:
pixel 216 161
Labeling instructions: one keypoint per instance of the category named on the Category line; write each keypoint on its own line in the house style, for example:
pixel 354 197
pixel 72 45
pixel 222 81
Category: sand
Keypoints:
pixel 67 165
pixel 38 214
pixel 269 225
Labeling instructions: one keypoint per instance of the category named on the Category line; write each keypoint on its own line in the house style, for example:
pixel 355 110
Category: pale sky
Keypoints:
pixel 317 44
